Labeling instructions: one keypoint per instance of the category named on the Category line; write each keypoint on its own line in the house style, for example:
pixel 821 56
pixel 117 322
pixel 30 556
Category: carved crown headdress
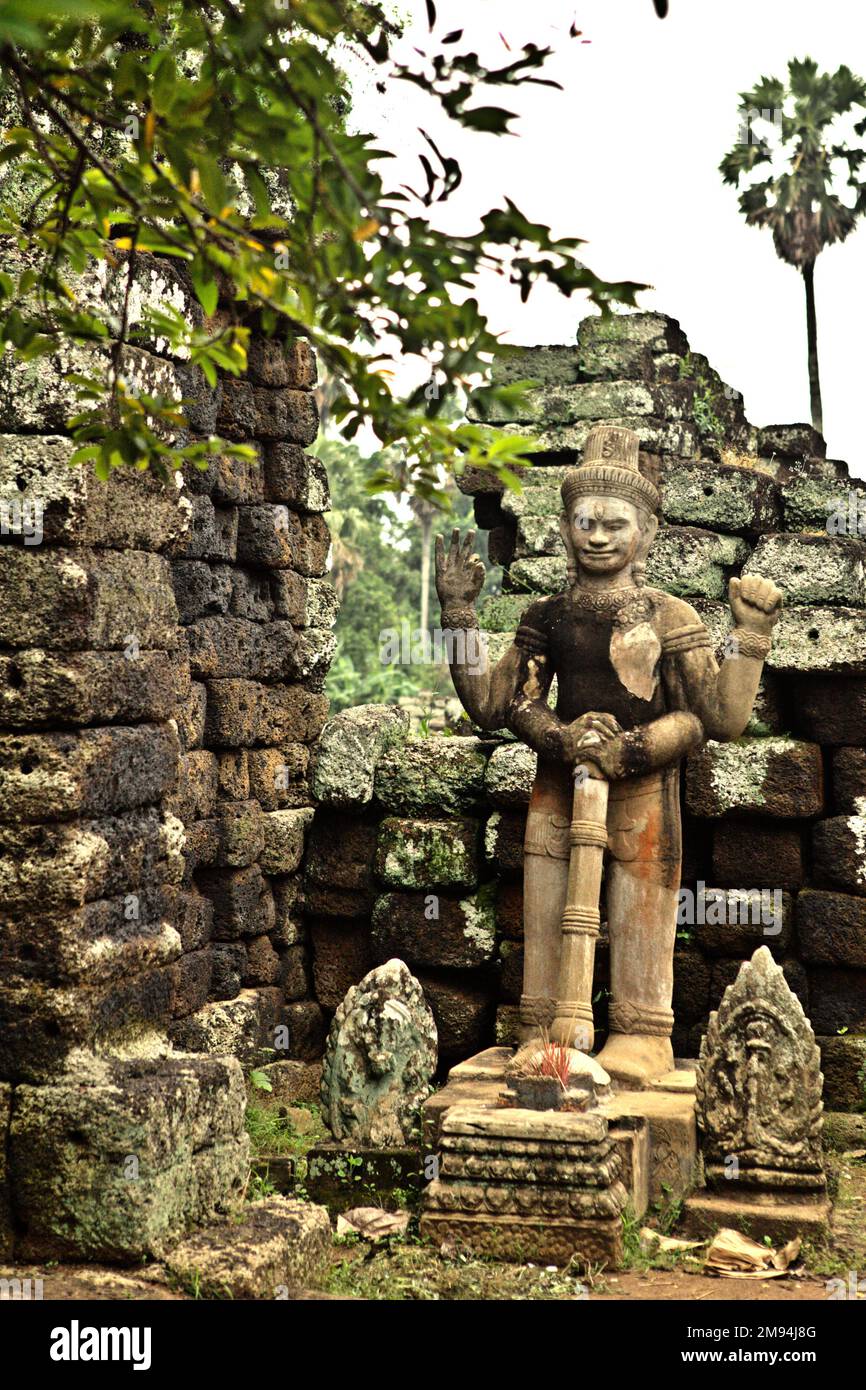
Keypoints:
pixel 610 469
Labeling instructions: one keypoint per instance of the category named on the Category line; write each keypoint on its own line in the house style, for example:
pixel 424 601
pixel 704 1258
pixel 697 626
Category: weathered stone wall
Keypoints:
pixel 416 848
pixel 162 650
pixel 256 617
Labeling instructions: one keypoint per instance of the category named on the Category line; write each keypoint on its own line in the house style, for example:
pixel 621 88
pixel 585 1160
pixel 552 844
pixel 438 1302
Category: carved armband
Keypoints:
pixel 753 644
pixel 531 640
pixel 688 638
pixel 458 617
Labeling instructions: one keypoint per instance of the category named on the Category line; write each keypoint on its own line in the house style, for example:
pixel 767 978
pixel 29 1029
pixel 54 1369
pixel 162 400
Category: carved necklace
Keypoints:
pixel 625 606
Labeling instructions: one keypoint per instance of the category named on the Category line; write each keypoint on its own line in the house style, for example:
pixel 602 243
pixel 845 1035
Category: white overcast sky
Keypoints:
pixel 626 156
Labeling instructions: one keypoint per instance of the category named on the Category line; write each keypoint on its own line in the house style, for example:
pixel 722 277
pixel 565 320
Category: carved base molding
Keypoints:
pixel 515 1199
pixel 652 1131
pixel 718 1176
pixel 527 1185
pixel 545 1240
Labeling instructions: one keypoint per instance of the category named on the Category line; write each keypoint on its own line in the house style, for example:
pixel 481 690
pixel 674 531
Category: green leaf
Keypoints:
pixel 493 119
pixel 209 371
pixel 130 79
pixel 84 454
pixel 9 152
pixel 258 190
pixel 206 292
pixel 213 184
pixel 164 86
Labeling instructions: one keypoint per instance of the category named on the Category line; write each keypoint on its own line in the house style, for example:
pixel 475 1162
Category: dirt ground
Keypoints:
pixel 409 1270
pixel 89 1282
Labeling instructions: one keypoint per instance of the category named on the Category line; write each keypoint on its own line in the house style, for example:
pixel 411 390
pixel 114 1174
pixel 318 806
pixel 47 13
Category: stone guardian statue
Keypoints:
pixel 638 688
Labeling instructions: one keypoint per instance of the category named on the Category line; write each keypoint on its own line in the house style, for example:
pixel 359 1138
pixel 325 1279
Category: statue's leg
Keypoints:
pixel 642 893
pixel 545 877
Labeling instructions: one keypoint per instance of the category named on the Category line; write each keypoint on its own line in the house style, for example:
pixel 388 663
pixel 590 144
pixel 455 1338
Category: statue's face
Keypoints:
pixel 605 534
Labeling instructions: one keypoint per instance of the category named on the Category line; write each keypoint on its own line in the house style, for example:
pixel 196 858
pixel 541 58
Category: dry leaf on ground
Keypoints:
pixel 654 1240
pixel 735 1256
pixel 373 1223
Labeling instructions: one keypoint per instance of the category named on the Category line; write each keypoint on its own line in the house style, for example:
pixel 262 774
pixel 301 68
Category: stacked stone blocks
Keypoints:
pixel 256 614
pixel 160 645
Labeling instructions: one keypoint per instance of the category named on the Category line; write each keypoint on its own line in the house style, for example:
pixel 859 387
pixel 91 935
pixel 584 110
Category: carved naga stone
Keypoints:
pixel 379 1058
pixel 759 1085
pixel 639 687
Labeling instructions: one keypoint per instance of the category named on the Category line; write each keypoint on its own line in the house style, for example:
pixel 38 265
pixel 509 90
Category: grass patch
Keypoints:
pixel 412 1271
pixel 272 1130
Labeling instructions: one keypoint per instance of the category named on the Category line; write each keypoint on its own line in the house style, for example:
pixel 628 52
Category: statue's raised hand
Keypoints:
pixel 460 573
pixel 756 603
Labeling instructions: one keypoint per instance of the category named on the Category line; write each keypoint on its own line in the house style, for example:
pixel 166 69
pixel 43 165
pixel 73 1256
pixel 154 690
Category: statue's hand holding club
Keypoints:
pixel 585 739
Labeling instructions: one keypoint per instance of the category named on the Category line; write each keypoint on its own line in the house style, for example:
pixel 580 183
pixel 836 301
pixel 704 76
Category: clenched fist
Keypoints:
pixel 460 573
pixel 756 603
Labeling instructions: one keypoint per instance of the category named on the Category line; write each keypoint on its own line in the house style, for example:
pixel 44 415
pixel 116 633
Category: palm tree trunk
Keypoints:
pixel 812 338
pixel 426 538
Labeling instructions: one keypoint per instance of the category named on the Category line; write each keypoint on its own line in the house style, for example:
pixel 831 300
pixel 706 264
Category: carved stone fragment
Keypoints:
pixel 380 1056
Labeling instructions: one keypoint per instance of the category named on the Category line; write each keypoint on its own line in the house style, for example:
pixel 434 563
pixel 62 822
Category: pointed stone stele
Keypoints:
pixel 379 1058
pixel 759 1111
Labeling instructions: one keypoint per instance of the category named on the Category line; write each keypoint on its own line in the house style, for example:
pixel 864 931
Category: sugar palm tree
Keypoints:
pixel 809 192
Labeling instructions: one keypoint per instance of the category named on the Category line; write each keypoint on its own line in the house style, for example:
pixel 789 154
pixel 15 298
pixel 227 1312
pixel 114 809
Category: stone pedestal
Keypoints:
pixel 653 1133
pixel 342 1176
pixel 660 1128
pixel 779 1215
pixel 527 1185
pixel 475 1082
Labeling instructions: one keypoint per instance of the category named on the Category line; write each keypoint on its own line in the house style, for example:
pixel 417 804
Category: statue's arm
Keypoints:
pixel 722 698
pixel 529 715
pixel 486 694
pixel 635 752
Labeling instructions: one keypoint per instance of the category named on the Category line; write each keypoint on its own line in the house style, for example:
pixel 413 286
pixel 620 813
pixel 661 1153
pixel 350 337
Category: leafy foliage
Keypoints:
pixel 217 135
pixel 376 570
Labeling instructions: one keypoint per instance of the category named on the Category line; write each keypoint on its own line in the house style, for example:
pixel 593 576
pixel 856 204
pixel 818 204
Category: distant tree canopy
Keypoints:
pixel 376 570
pixel 217 134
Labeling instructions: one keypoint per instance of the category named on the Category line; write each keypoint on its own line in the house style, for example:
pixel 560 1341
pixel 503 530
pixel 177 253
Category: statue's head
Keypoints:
pixel 608 521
